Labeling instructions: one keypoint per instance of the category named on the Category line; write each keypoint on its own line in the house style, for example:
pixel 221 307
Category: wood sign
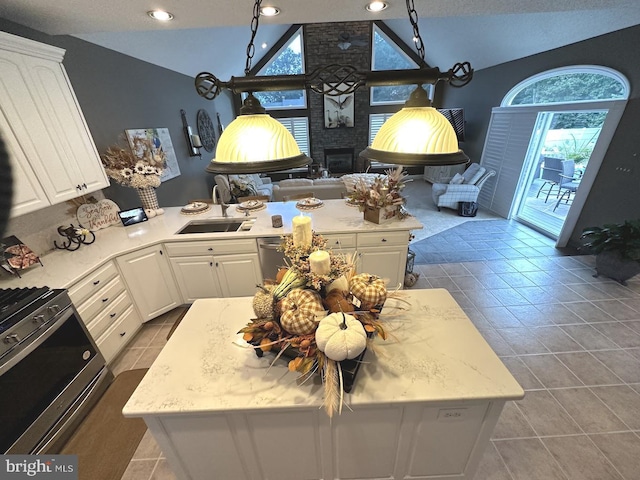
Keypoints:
pixel 95 216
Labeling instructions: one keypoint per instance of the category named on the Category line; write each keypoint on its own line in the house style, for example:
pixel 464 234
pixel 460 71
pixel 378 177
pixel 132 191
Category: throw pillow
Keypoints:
pixel 241 188
pixel 456 180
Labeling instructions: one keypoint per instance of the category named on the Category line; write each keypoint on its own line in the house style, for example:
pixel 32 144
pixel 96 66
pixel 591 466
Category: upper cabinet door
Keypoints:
pixel 49 136
pixel 28 195
pixel 59 108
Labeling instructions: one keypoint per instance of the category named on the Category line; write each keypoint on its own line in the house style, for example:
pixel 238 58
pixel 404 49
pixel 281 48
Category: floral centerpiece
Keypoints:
pixel 381 201
pixel 139 168
pixel 319 314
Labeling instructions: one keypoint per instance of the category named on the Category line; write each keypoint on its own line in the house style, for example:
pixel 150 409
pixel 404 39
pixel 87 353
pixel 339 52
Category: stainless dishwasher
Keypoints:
pixel 270 258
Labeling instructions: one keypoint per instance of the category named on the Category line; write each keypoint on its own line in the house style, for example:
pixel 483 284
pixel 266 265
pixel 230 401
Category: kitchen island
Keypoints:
pixel 423 408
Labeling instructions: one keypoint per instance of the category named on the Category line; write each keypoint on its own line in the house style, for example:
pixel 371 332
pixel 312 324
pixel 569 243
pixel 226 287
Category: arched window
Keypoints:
pixel 580 83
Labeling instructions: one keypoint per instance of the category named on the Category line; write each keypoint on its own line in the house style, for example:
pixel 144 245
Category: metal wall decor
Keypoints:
pixel 206 130
pixel 74 237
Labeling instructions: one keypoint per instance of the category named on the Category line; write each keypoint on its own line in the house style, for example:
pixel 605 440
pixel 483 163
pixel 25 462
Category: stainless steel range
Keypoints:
pixel 51 372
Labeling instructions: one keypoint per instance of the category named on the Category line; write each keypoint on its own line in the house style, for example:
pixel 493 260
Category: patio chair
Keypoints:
pixel 569 182
pixel 552 176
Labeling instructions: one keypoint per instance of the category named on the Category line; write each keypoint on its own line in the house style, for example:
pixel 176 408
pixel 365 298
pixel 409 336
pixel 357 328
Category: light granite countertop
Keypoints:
pixel 433 354
pixel 62 268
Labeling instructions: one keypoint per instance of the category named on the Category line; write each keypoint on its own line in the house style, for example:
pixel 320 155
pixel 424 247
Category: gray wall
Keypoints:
pixel 615 195
pixel 117 92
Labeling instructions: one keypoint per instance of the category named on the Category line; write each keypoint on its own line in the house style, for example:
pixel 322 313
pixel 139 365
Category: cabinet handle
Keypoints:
pixel 112 315
pixel 84 185
pixel 211 264
pixel 384 240
pixel 216 264
pixel 210 249
pixel 105 299
pixel 78 187
pixel 123 334
pixel 161 252
pixel 96 282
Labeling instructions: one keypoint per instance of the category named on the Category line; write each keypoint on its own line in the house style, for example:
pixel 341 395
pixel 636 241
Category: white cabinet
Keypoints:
pixel 51 147
pixel 384 254
pixel 106 308
pixel 217 268
pixel 149 279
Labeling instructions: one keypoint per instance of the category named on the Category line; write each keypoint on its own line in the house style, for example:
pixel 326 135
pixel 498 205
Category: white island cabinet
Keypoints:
pixel 149 279
pixel 424 409
pixel 51 147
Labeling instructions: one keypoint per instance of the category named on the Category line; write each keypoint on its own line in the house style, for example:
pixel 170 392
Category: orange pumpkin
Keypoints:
pixel 300 311
pixel 337 302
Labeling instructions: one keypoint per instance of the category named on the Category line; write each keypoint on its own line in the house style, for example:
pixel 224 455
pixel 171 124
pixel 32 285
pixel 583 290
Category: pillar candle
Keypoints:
pixel 302 234
pixel 320 262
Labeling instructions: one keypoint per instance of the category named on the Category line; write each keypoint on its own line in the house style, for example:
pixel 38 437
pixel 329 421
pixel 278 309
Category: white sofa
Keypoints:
pixel 322 188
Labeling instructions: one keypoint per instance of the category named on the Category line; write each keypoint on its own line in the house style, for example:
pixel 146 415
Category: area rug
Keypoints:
pixel 105 441
pixel 177 322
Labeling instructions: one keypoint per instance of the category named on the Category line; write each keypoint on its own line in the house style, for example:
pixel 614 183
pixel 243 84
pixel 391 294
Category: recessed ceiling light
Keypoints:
pixel 160 15
pixel 264 45
pixel 376 6
pixel 269 11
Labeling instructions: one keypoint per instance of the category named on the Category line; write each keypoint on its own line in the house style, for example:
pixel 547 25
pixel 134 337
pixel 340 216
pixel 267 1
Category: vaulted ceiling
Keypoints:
pixel 212 35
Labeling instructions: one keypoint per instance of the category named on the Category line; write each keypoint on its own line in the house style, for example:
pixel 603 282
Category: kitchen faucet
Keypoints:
pixel 224 207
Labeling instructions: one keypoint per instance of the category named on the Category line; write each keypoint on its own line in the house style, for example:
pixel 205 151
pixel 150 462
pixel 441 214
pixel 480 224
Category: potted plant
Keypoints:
pixel 617 249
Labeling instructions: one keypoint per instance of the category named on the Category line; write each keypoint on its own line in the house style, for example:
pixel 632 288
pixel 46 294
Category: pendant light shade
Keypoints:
pixel 255 142
pixel 416 135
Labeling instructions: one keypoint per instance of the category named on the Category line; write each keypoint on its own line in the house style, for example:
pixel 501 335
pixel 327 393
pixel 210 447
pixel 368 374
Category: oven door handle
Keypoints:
pixel 34 340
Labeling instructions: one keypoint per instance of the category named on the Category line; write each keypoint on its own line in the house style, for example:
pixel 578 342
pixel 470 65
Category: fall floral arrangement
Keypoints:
pixel 139 167
pixel 383 193
pixel 319 314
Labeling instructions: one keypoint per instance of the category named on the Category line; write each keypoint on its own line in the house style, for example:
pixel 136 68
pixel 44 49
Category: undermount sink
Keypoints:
pixel 216 225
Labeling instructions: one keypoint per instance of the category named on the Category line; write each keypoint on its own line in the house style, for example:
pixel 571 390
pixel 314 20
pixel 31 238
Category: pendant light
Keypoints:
pixel 255 142
pixel 416 135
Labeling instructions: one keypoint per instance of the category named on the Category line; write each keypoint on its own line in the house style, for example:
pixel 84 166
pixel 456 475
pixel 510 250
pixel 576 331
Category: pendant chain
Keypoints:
pixel 417 39
pixel 251 48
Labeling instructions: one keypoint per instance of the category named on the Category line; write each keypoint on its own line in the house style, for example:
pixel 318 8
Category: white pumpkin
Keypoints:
pixel 341 337
pixel 341 284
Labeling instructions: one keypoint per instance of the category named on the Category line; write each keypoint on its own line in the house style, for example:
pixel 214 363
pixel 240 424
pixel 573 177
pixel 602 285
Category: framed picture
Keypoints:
pixel 338 110
pixel 15 255
pixel 161 140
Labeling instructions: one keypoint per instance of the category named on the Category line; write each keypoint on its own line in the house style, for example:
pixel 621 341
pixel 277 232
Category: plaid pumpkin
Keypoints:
pixel 301 310
pixel 369 289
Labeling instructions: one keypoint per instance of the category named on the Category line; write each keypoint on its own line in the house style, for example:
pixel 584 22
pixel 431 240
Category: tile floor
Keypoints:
pixel 571 340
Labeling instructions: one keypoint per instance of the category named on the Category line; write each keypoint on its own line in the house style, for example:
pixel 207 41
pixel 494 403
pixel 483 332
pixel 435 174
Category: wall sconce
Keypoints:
pixel 193 141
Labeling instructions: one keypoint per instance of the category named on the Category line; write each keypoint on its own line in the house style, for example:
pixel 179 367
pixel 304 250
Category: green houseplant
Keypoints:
pixel 617 249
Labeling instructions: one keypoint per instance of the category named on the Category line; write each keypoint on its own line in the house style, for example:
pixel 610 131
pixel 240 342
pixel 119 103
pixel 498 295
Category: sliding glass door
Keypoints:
pixel 557 158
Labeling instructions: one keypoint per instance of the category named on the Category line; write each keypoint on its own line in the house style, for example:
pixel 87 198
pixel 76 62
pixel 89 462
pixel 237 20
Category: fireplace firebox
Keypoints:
pixel 339 160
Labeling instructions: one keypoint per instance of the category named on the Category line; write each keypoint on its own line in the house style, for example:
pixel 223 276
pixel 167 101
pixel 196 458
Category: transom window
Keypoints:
pixel 387 55
pixel 569 85
pixel 289 60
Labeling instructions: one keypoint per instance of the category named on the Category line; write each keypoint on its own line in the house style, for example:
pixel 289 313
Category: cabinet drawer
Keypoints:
pixel 217 247
pixel 100 300
pixel 114 339
pixel 92 283
pixel 337 241
pixel 379 239
pixel 109 315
